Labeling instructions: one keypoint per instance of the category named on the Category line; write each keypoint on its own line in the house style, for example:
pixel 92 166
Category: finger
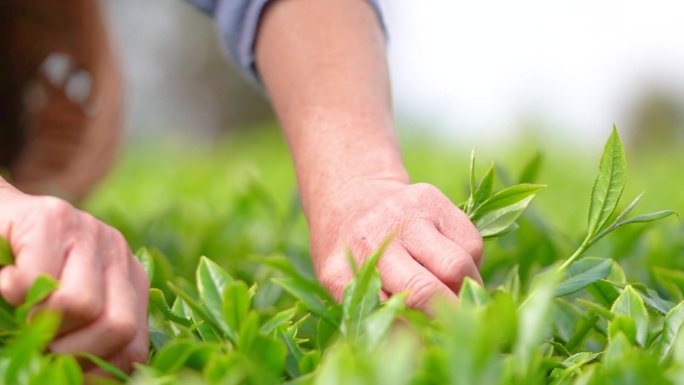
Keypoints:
pixel 116 326
pixel 401 273
pixel 43 252
pixel 80 296
pixel 138 349
pixel 441 256
pixel 334 273
pixel 456 226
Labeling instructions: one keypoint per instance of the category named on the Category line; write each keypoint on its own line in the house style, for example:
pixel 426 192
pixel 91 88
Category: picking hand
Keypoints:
pixel 435 245
pixel 103 289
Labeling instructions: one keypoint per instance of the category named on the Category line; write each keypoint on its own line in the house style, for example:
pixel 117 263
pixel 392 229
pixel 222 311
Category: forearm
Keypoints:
pixel 325 68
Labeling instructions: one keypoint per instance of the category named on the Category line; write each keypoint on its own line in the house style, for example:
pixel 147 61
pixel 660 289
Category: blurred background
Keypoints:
pixel 473 73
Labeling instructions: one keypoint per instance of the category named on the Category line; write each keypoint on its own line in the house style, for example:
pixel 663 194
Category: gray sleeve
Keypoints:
pixel 237 22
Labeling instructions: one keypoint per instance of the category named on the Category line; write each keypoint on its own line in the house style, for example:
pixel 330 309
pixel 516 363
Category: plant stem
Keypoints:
pixel 583 247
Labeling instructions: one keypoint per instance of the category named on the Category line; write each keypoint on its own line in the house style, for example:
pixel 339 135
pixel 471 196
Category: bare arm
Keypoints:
pixel 325 68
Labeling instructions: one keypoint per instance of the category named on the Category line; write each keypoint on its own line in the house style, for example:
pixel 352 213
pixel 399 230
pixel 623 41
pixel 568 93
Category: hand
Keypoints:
pixel 103 289
pixel 435 245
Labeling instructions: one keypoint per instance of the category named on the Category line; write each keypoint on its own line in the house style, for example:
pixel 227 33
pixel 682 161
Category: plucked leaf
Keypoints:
pixel 484 189
pixel 499 221
pixel 506 198
pixel 6 256
pixel 39 291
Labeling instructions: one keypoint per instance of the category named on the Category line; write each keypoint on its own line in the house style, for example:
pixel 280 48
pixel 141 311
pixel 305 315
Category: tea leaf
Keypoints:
pixel 630 305
pixel 672 326
pixel 583 273
pixel 497 222
pixel 531 170
pixel 300 290
pixel 277 321
pixel 505 198
pixel 647 217
pixel 361 295
pixel 472 294
pixel 6 255
pixel 609 183
pixel 484 190
pixel 39 291
pixel 158 299
pixel 376 326
pixel 104 365
pixel 212 281
pixel 236 304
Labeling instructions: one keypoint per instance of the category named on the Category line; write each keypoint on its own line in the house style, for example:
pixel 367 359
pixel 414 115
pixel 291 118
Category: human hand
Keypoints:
pixel 435 245
pixel 103 289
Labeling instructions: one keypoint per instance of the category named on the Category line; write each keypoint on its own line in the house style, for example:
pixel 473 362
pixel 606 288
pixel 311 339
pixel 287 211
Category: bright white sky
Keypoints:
pixel 479 67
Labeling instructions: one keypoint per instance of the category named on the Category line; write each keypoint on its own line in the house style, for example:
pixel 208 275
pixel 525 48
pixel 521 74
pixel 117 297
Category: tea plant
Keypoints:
pixel 578 320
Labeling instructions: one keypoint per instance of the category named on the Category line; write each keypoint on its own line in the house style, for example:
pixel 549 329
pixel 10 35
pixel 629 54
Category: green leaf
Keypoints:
pixel 285 266
pixel 535 315
pixel 279 320
pixel 39 291
pixel 512 283
pixel 472 295
pixel 671 280
pixel 300 290
pixel 219 324
pixel 147 261
pixel 598 309
pixel 583 273
pixel 174 355
pixel 643 218
pixel 531 170
pixel 236 304
pixel 621 324
pixel 499 221
pixel 630 305
pixel 377 326
pixel 158 299
pixel 361 295
pixel 484 189
pixel 212 281
pixel 104 365
pixel 609 183
pixel 471 179
pixel 6 255
pixel 672 326
pixel 505 198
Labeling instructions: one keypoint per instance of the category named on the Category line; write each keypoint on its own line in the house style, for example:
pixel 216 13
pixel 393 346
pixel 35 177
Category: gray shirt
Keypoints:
pixel 237 22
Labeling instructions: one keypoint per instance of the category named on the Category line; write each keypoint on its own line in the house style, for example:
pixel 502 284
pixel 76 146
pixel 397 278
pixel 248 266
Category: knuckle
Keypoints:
pixel 55 208
pixel 82 306
pixel 121 328
pixel 421 290
pixel 332 281
pixel 474 245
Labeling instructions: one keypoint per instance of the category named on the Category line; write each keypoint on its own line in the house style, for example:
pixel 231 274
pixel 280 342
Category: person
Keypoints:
pixel 324 67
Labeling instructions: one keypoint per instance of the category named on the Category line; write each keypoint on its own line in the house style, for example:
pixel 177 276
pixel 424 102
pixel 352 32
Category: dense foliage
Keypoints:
pixel 552 312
